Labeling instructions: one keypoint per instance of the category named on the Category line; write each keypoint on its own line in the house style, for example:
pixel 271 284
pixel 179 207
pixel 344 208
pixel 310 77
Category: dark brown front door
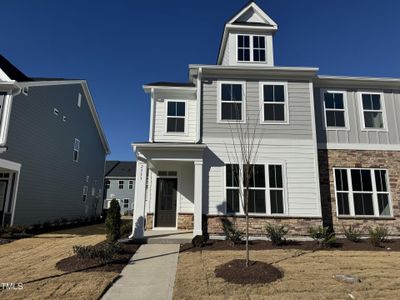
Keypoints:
pixel 166 202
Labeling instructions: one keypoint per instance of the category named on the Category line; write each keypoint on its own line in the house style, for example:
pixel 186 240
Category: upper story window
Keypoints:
pixel 121 184
pixel 362 192
pixel 77 145
pixel 251 48
pixel 176 115
pixel 231 99
pixel 274 105
pixel 107 185
pixel 372 110
pixel 130 184
pixel 335 109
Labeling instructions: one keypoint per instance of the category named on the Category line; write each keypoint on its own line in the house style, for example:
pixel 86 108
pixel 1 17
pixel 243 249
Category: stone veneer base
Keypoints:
pixel 185 221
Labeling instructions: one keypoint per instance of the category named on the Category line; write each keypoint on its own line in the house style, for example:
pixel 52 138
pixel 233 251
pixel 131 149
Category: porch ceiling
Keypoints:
pixel 170 152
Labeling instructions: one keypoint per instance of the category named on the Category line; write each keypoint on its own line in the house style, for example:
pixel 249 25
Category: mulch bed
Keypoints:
pixel 235 271
pixel 120 260
pixel 341 244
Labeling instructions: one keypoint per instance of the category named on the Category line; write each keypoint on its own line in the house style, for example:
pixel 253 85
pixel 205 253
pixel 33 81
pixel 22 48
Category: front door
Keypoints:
pixel 3 194
pixel 166 202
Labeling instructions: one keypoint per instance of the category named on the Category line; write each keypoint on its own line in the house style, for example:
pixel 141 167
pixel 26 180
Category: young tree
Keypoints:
pixel 246 142
pixel 113 222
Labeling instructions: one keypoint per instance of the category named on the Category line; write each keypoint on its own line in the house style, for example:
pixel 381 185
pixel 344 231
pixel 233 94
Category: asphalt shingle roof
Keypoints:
pixel 116 168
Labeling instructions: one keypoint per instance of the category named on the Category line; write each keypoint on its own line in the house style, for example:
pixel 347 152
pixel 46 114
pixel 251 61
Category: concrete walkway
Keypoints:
pixel 149 275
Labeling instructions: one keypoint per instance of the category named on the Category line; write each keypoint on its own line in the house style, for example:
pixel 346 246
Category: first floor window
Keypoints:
pixel 121 184
pixel 254 177
pixel 334 109
pixel 372 110
pixel 276 188
pixel 84 193
pixel 231 101
pixel 176 111
pixel 274 103
pixel 232 188
pixel 130 184
pixel 126 203
pixel 77 145
pixel 362 192
pixel 107 185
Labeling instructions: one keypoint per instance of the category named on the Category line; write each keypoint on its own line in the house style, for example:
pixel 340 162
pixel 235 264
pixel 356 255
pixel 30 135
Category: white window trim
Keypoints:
pixel 185 132
pixel 383 110
pixel 123 184
pixel 131 184
pixel 267 189
pixel 107 184
pixel 123 203
pixel 374 192
pixel 79 104
pixel 77 149
pixel 345 109
pixel 85 193
pixel 251 61
pixel 219 102
pixel 286 103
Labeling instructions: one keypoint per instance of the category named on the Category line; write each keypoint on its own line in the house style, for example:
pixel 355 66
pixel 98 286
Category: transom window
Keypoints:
pixel 121 184
pixel 372 110
pixel 251 48
pixel 176 114
pixel 263 198
pixel 274 102
pixel 231 102
pixel 334 104
pixel 362 192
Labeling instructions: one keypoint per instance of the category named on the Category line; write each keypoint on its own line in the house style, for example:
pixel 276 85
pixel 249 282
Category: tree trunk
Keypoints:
pixel 247 226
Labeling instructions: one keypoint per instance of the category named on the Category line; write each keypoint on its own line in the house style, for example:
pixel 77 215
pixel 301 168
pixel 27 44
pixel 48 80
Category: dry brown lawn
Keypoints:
pixel 32 261
pixel 307 275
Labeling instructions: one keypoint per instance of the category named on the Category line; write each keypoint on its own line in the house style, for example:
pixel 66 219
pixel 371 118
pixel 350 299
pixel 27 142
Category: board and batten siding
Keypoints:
pixel 160 119
pixel 51 183
pixel 292 145
pixel 355 133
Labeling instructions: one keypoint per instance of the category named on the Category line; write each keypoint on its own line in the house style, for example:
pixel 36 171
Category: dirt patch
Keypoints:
pixel 341 244
pixel 74 263
pixel 235 271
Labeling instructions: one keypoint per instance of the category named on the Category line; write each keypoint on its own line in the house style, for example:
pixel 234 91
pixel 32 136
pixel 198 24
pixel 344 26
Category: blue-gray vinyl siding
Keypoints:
pixel 120 194
pixel 355 134
pixel 51 183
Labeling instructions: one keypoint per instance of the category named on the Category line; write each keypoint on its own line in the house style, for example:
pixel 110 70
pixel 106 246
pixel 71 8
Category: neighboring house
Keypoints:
pixel 330 152
pixel 52 148
pixel 119 184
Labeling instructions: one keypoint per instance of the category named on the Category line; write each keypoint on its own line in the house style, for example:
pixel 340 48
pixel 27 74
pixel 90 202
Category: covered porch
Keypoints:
pixel 168 192
pixel 9 179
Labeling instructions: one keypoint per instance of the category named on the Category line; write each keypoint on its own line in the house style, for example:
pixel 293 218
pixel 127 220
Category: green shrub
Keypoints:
pixel 276 233
pixel 126 227
pixel 322 235
pixel 233 235
pixel 378 235
pixel 113 222
pixel 352 234
pixel 103 253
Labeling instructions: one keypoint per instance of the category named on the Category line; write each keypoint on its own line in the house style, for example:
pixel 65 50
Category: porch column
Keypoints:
pixel 140 198
pixel 198 198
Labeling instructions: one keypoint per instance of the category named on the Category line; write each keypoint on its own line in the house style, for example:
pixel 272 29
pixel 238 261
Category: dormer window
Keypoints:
pixel 176 115
pixel 251 48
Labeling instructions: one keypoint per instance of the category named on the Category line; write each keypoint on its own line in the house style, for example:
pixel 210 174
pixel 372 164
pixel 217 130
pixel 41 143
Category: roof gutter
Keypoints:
pixel 198 113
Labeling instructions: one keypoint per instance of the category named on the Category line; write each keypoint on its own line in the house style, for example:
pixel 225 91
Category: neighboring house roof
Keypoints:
pixel 176 84
pixel 7 69
pixel 116 168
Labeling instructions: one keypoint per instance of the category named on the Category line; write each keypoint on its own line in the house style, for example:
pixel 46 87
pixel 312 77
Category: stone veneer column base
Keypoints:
pixel 329 159
pixel 185 221
pixel 296 226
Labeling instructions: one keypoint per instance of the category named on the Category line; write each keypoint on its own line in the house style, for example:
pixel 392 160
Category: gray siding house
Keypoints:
pixel 119 184
pixel 329 152
pixel 52 148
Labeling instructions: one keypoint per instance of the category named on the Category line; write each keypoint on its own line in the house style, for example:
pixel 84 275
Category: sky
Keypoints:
pixel 119 45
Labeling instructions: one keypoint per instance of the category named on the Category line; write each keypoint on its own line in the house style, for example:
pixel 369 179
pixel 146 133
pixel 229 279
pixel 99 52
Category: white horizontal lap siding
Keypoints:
pixel 301 180
pixel 160 134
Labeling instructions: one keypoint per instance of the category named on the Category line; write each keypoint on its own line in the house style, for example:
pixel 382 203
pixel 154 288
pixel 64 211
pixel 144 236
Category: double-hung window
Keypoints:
pixel 372 110
pixel 251 48
pixel 131 184
pixel 276 189
pixel 274 105
pixel 362 192
pixel 176 114
pixel 231 102
pixel 107 185
pixel 126 203
pixel 121 184
pixel 256 182
pixel 232 188
pixel 77 145
pixel 84 193
pixel 335 110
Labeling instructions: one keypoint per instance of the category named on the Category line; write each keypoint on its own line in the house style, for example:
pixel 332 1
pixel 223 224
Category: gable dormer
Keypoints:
pixel 247 38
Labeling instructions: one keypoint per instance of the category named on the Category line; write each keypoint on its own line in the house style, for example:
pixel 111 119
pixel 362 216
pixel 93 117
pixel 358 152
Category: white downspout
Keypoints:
pixel 151 133
pixel 198 113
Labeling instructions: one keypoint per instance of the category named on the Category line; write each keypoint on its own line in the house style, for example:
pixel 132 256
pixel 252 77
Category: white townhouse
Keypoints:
pixel 329 151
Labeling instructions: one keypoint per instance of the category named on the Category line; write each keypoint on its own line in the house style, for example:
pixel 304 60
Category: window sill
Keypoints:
pixel 365 218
